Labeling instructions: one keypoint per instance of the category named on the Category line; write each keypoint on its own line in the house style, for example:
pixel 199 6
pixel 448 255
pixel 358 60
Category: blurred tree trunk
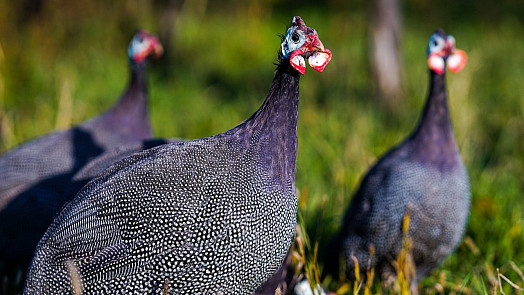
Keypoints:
pixel 385 45
pixel 167 13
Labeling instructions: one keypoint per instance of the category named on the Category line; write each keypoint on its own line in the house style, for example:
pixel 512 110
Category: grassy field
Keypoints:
pixel 62 63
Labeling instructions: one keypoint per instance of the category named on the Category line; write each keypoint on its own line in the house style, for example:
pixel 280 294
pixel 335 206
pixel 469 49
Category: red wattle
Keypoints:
pixel 436 63
pixel 297 61
pixel 327 58
pixel 457 61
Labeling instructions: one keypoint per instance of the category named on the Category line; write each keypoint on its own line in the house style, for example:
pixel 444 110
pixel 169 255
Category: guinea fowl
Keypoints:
pixel 37 176
pixel 423 176
pixel 214 215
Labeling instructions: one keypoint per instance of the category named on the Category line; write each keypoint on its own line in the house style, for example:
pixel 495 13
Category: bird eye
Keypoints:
pixel 295 37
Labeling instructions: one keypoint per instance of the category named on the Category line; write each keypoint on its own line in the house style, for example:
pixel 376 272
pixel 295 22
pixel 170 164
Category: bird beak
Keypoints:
pixel 449 47
pixel 313 43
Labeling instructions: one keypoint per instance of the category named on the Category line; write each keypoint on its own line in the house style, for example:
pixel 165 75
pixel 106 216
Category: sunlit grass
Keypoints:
pixel 70 64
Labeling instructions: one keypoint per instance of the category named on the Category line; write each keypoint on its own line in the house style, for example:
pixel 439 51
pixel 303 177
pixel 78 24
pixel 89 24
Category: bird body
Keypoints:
pixel 423 178
pixel 37 176
pixel 189 229
pixel 211 215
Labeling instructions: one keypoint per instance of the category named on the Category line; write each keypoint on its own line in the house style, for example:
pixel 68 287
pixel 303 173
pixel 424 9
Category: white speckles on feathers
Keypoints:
pixel 177 212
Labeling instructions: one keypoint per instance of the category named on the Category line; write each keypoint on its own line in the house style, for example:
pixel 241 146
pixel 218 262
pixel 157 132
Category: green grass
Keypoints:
pixel 68 63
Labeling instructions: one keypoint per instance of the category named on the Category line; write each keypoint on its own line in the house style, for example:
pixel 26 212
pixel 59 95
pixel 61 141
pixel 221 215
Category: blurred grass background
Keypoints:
pixel 62 62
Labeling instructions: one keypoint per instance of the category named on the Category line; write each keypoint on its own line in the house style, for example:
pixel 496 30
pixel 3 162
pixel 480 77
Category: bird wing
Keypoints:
pixel 32 162
pixel 151 199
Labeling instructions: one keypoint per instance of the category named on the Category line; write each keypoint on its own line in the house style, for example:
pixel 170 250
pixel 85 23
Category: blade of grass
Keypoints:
pixel 515 286
pixel 515 268
pixel 484 290
pixel 464 282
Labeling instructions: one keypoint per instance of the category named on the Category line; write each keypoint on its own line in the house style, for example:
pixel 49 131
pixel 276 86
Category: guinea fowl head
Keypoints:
pixel 441 52
pixel 143 45
pixel 301 42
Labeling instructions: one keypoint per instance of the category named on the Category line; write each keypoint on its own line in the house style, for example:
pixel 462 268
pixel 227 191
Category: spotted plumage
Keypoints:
pixel 424 177
pixel 209 216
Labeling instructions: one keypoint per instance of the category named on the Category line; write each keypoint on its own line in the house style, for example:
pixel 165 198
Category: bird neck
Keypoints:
pixel 434 140
pixel 136 93
pixel 435 117
pixel 129 116
pixel 274 125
